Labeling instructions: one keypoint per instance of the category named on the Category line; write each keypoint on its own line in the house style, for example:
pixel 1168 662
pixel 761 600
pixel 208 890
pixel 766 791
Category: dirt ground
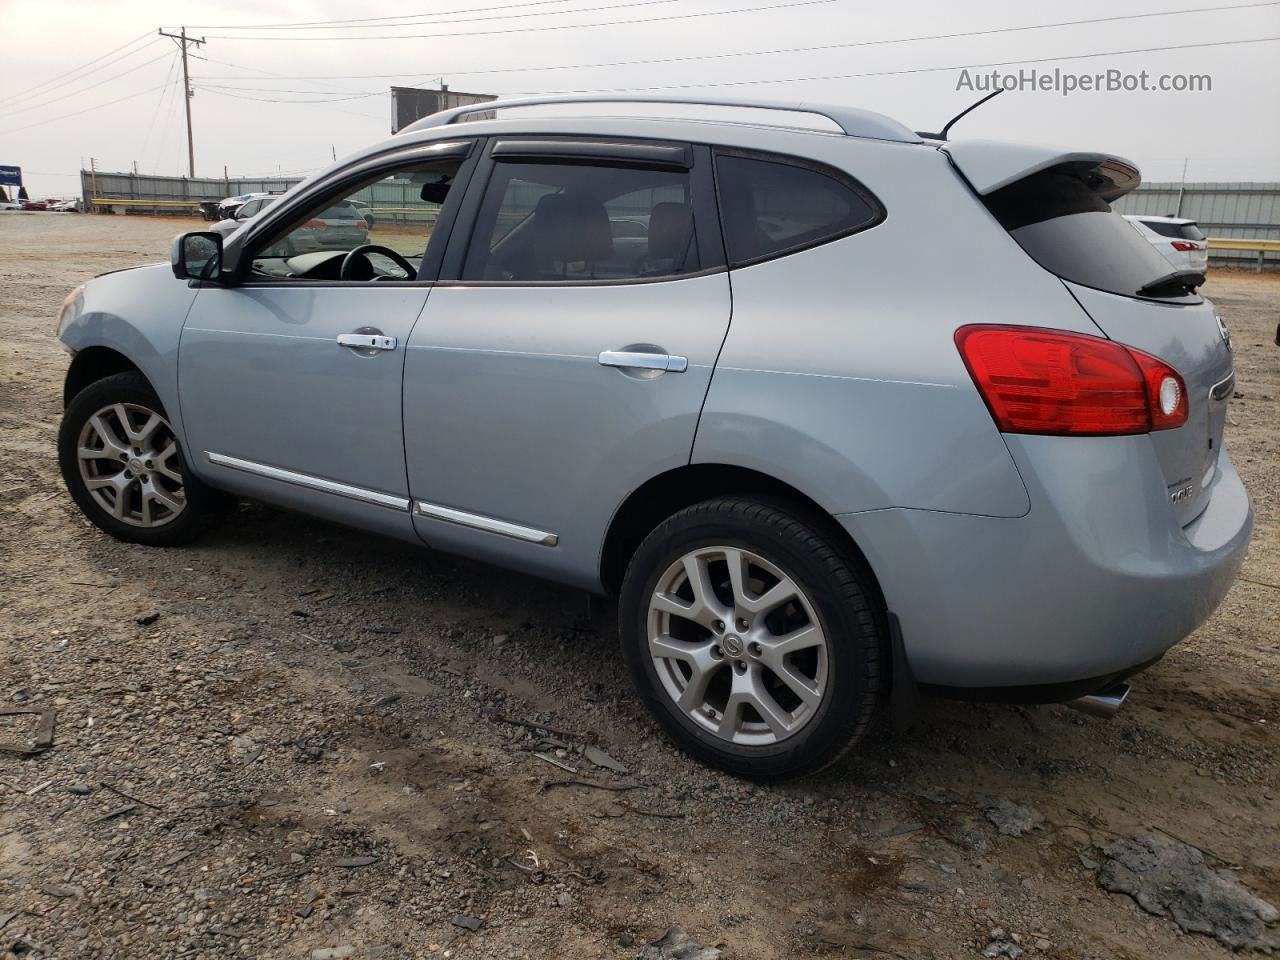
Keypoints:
pixel 293 737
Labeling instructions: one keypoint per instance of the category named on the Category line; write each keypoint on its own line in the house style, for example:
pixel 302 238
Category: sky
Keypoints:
pixel 271 100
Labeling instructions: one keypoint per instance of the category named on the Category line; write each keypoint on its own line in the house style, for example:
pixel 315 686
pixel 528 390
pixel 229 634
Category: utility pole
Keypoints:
pixel 183 42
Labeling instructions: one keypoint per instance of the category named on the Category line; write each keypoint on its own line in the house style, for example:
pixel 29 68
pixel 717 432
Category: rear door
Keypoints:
pixel 552 371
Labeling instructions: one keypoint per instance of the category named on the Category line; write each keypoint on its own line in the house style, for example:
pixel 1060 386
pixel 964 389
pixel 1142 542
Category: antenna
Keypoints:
pixel 952 122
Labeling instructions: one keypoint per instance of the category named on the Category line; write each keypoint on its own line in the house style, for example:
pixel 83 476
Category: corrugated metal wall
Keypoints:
pixel 128 186
pixel 1249 211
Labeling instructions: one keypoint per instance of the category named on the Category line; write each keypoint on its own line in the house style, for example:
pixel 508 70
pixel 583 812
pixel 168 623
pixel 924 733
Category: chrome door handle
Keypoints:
pixel 366 341
pixel 644 361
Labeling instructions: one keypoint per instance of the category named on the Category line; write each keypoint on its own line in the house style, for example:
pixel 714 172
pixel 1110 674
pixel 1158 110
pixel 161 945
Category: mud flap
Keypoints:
pixel 904 697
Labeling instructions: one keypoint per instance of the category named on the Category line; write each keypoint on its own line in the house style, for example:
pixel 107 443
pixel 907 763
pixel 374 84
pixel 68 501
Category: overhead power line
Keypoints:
pixel 907 70
pixel 168 79
pixel 560 26
pixel 347 20
pixel 97 106
pixel 83 66
pixel 818 48
pixel 237 96
pixel 416 22
pixel 96 83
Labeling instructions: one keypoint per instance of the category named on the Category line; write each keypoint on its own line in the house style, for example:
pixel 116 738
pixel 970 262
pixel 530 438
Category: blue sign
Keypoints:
pixel 11 175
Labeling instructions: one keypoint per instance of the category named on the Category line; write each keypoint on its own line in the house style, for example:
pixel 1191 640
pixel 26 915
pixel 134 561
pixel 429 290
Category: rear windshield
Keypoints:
pixel 1068 229
pixel 342 210
pixel 1175 231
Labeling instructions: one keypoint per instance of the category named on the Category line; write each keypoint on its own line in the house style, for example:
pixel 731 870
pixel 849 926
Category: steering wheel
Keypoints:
pixel 361 255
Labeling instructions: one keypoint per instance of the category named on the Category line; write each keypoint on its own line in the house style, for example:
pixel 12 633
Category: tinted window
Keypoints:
pixel 574 222
pixel 1175 231
pixel 771 207
pixel 1068 229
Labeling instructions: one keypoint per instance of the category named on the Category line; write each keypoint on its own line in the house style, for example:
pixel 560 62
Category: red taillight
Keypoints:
pixel 1054 382
pixel 362 225
pixel 1182 246
pixel 315 225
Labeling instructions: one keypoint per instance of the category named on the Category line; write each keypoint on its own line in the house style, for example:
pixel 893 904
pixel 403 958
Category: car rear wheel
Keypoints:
pixel 123 466
pixel 753 637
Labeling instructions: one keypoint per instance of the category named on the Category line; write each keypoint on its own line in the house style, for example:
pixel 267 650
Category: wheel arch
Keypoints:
pixel 91 365
pixel 665 494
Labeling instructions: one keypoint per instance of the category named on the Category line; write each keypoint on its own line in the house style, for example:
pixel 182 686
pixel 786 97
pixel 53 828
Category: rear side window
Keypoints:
pixel 1059 219
pixel 560 222
pixel 770 207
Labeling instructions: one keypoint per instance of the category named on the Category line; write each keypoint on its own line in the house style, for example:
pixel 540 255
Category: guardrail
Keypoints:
pixel 1261 247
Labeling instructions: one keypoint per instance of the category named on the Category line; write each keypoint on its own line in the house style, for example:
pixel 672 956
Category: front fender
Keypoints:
pixel 139 314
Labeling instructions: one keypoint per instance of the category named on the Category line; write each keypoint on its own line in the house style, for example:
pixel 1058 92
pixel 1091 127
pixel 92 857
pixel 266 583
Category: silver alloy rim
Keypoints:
pixel 737 645
pixel 128 460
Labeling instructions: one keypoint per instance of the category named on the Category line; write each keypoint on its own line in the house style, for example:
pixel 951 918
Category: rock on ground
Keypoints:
pixel 1170 879
pixel 675 944
pixel 1011 819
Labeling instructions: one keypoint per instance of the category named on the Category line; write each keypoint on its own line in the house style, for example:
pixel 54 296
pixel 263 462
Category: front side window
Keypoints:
pixel 395 213
pixel 573 222
pixel 770 207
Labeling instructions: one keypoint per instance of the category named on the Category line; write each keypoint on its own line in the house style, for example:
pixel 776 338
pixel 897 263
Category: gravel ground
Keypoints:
pixel 294 740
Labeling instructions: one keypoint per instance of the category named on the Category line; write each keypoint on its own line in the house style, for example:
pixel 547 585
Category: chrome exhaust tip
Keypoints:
pixel 1104 703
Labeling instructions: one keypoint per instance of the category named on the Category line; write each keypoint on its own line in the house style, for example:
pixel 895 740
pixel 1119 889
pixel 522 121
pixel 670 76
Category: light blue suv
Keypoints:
pixel 859 412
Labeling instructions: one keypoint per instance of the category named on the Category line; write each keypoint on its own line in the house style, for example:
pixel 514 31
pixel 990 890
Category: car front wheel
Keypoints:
pixel 123 466
pixel 754 637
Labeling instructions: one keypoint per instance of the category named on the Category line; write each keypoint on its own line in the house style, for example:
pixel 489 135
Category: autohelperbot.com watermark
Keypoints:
pixel 1065 82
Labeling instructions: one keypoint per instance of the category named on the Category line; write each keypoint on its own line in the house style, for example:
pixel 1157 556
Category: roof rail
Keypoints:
pixel 851 121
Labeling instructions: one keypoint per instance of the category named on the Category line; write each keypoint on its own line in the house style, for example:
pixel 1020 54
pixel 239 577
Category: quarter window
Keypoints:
pixel 769 207
pixel 575 222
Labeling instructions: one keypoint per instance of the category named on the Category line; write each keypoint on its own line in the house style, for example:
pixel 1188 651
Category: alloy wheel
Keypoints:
pixel 128 458
pixel 737 645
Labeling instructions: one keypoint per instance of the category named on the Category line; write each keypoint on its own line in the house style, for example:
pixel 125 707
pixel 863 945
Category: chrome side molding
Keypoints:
pixel 308 481
pixel 478 522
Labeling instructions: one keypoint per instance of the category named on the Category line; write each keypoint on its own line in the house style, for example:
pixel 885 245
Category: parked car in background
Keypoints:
pixel 229 209
pixel 1179 241
pixel 34 204
pixel 339 227
pixel 240 213
pixel 822 462
pixel 66 206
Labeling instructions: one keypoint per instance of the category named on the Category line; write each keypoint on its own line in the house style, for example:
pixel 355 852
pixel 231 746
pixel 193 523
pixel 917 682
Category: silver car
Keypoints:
pixel 823 463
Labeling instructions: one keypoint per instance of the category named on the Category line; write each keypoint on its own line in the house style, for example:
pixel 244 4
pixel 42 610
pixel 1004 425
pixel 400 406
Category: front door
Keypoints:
pixel 289 382
pixel 568 359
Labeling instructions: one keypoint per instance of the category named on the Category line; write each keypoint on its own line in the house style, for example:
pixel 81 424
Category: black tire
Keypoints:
pixel 202 503
pixel 839 587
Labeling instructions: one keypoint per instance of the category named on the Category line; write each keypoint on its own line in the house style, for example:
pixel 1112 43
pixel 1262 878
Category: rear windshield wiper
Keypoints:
pixel 1175 284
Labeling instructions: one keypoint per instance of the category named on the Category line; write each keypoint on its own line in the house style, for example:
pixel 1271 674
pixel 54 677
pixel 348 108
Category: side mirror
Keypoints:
pixel 197 256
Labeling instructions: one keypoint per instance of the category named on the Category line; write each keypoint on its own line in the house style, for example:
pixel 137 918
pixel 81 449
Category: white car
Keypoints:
pixel 66 206
pixel 1179 241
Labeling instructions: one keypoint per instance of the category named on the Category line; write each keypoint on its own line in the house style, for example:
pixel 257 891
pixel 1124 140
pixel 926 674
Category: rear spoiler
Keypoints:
pixel 989 165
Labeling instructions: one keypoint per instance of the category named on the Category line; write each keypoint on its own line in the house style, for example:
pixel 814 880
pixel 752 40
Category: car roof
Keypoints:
pixel 851 121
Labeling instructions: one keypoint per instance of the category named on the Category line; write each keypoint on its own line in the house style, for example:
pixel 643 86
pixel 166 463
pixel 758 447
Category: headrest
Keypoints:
pixel 571 227
pixel 670 230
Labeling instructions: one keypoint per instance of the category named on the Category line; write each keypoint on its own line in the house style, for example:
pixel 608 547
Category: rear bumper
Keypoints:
pixel 1095 581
